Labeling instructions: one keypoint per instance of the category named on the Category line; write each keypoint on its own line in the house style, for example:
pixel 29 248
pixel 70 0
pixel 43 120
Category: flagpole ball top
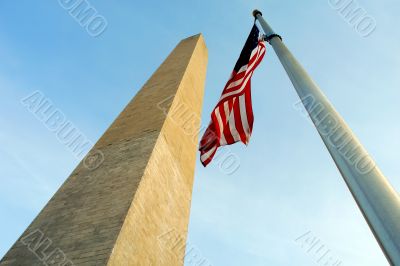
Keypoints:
pixel 256 12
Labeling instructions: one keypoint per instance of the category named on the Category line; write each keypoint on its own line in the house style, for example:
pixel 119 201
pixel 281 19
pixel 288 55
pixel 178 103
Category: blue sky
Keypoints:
pixel 287 184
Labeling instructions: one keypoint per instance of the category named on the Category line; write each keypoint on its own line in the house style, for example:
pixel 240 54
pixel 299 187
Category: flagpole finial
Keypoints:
pixel 269 33
pixel 256 12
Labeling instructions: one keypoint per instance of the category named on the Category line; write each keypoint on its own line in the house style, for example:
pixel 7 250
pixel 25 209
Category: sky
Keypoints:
pixel 286 191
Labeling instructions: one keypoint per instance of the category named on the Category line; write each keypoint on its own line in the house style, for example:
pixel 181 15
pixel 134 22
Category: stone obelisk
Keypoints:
pixel 134 189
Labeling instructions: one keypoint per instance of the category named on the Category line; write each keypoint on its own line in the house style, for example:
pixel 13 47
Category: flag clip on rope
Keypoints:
pixel 269 37
pixel 232 118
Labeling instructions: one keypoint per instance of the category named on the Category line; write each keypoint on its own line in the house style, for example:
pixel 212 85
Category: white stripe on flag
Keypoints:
pixel 237 91
pixel 242 69
pixel 207 155
pixel 222 140
pixel 234 84
pixel 226 110
pixel 254 52
pixel 235 134
pixel 243 116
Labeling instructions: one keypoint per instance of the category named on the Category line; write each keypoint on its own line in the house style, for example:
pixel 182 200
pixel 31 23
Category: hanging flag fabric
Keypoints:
pixel 232 118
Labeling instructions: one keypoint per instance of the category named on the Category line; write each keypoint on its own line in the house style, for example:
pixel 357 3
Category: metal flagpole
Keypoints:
pixel 376 198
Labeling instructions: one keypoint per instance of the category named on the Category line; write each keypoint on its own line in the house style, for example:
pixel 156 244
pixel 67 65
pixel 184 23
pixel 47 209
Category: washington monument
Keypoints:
pixel 117 212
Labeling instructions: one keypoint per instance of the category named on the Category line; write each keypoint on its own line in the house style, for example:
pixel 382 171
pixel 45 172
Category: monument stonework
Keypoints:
pixel 117 212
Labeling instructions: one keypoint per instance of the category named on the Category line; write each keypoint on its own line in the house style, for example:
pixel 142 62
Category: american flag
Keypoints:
pixel 232 118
